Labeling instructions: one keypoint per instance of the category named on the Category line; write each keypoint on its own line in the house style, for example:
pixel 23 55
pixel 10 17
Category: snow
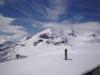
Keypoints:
pixel 81 42
pixel 48 59
pixel 51 64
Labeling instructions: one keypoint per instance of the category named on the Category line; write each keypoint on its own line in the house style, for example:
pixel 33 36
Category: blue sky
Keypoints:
pixel 31 16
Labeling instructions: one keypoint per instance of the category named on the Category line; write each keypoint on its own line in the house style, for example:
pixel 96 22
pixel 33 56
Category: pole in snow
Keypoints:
pixel 66 54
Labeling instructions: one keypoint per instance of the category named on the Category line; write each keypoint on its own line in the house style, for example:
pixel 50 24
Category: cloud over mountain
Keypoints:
pixel 9 31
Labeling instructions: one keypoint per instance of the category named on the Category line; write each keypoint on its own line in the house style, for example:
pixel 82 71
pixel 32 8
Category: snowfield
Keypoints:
pixel 51 64
pixel 46 56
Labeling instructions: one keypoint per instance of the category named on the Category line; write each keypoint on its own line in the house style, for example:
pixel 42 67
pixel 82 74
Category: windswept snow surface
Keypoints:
pixel 51 64
pixel 48 59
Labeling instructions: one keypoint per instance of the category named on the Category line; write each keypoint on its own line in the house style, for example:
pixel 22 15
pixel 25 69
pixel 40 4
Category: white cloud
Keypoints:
pixel 16 32
pixel 1 2
pixel 57 7
pixel 81 28
pixel 2 39
pixel 88 27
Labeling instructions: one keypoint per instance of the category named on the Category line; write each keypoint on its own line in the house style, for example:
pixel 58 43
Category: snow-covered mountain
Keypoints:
pixel 51 40
pixel 45 52
pixel 51 37
pixel 7 51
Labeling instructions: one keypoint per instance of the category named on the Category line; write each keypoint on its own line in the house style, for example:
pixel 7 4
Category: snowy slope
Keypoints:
pixel 57 39
pixel 53 39
pixel 45 52
pixel 7 51
pixel 51 64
